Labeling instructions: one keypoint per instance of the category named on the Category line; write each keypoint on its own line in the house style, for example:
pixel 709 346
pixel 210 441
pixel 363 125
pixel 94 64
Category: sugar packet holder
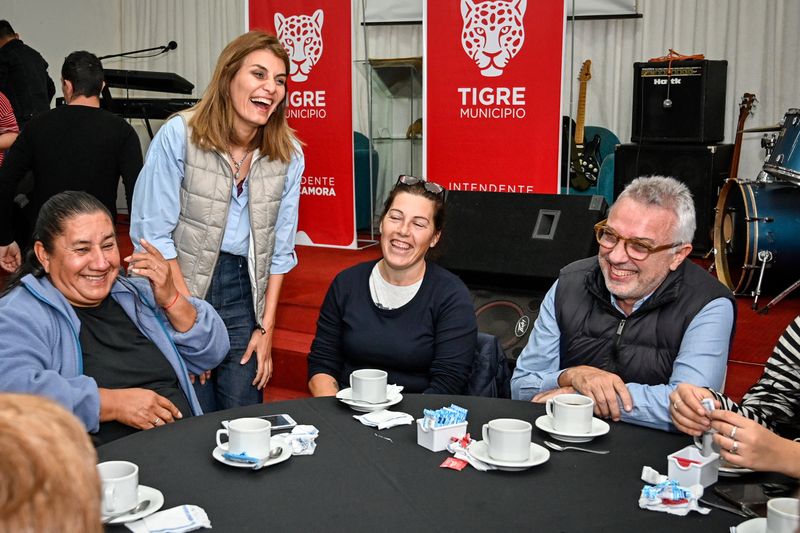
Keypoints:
pixel 436 429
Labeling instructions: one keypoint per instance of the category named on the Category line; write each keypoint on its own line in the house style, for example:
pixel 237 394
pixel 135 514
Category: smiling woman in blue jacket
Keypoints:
pixel 115 351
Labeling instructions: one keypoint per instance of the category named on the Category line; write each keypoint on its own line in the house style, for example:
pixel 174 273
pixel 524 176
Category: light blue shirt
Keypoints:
pixel 156 202
pixel 702 360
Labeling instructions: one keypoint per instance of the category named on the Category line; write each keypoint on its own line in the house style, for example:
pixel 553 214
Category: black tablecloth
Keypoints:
pixel 357 481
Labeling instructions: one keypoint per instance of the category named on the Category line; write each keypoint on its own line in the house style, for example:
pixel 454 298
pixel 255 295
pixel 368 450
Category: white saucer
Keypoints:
pixel 346 396
pixel 145 493
pixel 599 427
pixel 754 525
pixel 480 451
pixel 218 455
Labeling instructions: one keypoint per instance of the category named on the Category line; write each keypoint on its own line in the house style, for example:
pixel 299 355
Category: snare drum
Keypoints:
pixel 753 217
pixel 784 161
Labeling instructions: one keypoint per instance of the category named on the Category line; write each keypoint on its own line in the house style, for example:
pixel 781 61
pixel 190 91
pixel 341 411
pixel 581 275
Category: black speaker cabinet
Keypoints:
pixel 703 169
pixel 684 105
pixel 510 239
pixel 507 315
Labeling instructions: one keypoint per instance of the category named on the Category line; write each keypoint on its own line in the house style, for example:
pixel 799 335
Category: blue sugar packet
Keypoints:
pixel 240 457
pixel 446 416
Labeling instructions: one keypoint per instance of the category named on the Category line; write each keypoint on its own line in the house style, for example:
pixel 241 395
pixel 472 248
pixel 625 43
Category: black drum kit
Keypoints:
pixel 757 224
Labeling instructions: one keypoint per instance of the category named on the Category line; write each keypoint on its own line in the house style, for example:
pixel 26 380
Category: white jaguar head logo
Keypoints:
pixel 493 33
pixel 301 35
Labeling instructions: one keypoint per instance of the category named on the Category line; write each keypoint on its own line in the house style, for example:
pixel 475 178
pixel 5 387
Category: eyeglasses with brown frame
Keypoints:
pixel 636 248
pixel 431 187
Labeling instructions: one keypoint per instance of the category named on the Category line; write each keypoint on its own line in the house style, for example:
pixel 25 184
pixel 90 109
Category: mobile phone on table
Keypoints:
pixel 749 495
pixel 279 422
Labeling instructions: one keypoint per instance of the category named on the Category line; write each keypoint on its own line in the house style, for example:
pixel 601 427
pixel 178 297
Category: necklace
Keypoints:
pixel 238 166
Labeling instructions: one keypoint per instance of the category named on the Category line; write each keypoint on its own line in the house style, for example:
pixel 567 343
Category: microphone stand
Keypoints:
pixel 163 49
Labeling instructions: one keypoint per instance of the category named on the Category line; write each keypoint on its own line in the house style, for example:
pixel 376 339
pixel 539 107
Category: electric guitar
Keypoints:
pixel 746 107
pixel 584 161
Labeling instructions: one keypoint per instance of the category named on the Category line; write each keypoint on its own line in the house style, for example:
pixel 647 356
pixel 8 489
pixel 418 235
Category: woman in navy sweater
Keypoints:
pixel 401 313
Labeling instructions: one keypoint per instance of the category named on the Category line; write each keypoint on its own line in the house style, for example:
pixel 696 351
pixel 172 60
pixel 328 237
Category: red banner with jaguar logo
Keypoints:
pixel 493 94
pixel 317 36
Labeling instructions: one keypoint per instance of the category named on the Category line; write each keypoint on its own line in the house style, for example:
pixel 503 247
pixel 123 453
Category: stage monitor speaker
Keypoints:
pixel 703 169
pixel 684 105
pixel 507 315
pixel 511 240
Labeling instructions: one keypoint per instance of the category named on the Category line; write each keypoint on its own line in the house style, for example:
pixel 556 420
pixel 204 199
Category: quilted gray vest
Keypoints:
pixel 205 197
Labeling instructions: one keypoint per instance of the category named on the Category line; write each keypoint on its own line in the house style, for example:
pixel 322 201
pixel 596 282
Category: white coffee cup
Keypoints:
pixel 783 515
pixel 571 413
pixel 120 481
pixel 508 439
pixel 369 385
pixel 248 436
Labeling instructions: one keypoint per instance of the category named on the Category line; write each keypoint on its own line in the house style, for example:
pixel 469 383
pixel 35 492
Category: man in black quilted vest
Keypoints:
pixel 626 327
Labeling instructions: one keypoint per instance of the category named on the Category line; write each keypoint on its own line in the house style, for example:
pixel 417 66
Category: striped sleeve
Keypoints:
pixel 7 121
pixel 776 395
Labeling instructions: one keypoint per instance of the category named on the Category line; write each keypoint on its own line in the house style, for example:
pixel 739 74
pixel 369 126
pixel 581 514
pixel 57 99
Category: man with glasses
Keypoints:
pixel 626 327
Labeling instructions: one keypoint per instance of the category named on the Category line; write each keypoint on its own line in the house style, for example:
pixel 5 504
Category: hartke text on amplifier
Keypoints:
pixel 681 103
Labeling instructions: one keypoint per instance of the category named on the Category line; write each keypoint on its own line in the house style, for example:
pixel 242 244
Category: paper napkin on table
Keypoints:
pixel 175 520
pixel 385 419
pixel 459 452
pixel 392 391
pixel 302 439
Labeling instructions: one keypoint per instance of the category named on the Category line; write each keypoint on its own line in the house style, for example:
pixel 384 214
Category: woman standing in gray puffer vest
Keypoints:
pixel 218 196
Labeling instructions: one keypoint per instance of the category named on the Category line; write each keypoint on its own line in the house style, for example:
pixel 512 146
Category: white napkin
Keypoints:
pixel 462 453
pixel 392 391
pixel 385 419
pixel 302 439
pixel 175 520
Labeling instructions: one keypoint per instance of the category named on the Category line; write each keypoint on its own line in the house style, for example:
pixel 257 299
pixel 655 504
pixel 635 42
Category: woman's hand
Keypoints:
pixel 151 264
pixel 10 257
pixel 748 444
pixel 138 408
pixel 261 344
pixel 687 413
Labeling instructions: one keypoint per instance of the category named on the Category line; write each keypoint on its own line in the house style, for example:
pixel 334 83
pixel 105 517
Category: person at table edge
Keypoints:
pixel 757 432
pixel 115 351
pixel 402 313
pixel 626 327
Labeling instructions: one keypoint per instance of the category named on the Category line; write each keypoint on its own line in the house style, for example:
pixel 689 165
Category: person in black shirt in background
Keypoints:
pixel 74 147
pixel 23 76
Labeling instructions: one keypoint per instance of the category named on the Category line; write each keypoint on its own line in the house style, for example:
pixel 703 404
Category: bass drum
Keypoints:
pixel 784 161
pixel 753 217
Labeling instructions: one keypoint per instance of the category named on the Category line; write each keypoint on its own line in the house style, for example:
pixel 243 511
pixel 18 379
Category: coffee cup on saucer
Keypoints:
pixel 508 439
pixel 369 385
pixel 246 436
pixel 120 482
pixel 783 515
pixel 571 413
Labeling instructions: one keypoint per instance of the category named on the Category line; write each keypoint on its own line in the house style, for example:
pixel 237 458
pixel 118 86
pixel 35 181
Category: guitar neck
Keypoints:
pixel 579 135
pixel 737 148
pixel 744 111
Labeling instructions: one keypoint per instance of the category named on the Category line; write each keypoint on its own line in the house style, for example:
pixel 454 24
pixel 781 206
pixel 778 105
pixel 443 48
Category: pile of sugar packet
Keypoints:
pixel 666 496
pixel 446 416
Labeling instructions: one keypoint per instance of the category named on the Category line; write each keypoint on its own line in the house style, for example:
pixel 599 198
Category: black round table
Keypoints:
pixel 357 481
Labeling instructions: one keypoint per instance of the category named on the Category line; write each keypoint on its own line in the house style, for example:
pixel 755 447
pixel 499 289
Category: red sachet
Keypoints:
pixel 455 464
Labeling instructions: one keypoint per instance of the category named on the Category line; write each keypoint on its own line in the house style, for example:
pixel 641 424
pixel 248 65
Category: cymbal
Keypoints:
pixel 774 127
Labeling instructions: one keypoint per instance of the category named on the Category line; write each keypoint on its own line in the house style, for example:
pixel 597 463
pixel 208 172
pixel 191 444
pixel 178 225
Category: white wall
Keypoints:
pixel 55 29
